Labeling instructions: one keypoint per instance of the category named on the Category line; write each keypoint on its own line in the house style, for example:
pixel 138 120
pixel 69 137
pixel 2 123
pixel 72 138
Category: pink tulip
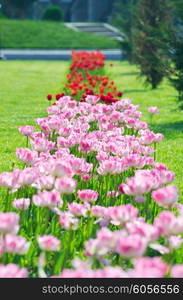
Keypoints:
pixel 175 242
pixel 79 209
pixel 9 222
pixel 87 195
pixel 21 204
pixel 153 110
pixel 137 186
pixel 166 197
pixel 44 182
pixel 147 267
pixel 10 179
pixel 27 177
pixel 41 144
pixel 122 214
pixel 168 224
pixel 26 130
pixel 26 155
pixel 65 185
pixel 98 211
pixel 47 199
pixel 94 248
pixel 131 246
pixel 148 231
pixel 67 221
pixel 12 271
pixel 92 99
pixel 177 271
pixel 48 243
pixel 16 244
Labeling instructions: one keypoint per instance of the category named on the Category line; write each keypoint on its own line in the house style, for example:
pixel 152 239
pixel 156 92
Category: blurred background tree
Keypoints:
pixel 176 49
pixel 17 8
pixel 152 34
pixel 124 18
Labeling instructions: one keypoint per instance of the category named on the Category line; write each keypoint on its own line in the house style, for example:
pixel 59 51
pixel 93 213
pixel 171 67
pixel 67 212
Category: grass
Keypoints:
pixel 169 121
pixel 49 35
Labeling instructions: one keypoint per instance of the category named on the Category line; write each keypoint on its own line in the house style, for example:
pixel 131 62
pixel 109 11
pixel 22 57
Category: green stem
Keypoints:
pixel 67 249
pixel 7 200
pixel 155 151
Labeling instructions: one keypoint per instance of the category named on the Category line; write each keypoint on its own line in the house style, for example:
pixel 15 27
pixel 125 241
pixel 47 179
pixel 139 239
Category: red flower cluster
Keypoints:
pixel 87 60
pixel 86 77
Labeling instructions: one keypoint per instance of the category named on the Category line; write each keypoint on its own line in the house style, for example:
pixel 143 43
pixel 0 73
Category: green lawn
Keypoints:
pixel 24 86
pixel 49 35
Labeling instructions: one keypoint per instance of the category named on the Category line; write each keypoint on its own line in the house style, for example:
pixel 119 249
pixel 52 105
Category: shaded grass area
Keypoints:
pixel 169 121
pixel 49 35
pixel 23 91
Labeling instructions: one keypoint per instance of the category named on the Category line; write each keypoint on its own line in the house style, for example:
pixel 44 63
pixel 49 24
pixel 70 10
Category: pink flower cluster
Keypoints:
pixel 9 241
pixel 143 267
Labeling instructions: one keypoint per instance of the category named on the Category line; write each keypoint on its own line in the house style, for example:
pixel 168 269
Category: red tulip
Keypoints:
pixel 57 97
pixel 119 94
pixel 49 97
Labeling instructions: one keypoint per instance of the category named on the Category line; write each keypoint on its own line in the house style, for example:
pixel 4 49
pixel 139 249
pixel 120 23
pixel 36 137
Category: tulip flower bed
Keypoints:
pixel 91 200
pixel 87 77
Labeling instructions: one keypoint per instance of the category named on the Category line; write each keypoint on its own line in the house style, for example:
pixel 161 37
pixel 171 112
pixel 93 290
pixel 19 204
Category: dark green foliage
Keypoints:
pixel 19 3
pixel 177 70
pixel 53 13
pixel 2 16
pixel 16 8
pixel 151 40
pixel 177 6
pixel 124 17
pixel 176 52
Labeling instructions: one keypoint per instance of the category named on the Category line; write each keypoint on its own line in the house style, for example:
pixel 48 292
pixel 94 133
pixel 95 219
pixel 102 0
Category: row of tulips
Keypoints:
pixel 91 200
pixel 86 77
